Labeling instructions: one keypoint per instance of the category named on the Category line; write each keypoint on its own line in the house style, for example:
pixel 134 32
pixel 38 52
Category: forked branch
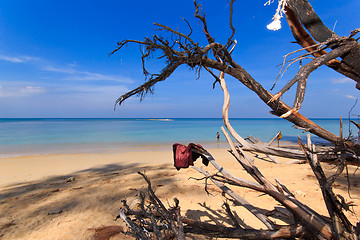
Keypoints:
pixel 183 50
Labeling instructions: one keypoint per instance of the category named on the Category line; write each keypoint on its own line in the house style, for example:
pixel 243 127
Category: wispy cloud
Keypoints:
pixel 62 91
pixel 69 70
pixel 111 91
pixel 65 81
pixel 77 75
pixel 89 91
pixel 18 59
pixel 20 91
pixel 59 70
pixel 341 80
pixel 350 96
pixel 74 64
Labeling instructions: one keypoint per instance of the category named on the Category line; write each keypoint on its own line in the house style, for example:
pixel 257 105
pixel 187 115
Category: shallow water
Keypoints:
pixel 49 136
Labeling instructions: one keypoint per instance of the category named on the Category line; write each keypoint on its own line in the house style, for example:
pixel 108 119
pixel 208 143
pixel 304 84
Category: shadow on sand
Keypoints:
pixel 25 207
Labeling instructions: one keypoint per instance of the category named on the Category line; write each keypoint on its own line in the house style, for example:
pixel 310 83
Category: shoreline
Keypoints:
pixel 19 169
pixel 24 169
pixel 85 148
pixel 89 148
pixel 31 167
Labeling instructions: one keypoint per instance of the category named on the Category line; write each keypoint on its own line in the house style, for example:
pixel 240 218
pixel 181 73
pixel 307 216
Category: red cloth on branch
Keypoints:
pixel 184 156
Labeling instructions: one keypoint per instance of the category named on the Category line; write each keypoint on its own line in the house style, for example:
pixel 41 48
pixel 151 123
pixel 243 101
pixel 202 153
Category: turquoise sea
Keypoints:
pixel 49 136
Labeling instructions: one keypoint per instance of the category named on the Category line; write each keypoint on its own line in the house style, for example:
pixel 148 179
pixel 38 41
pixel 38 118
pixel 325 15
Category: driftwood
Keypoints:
pixel 267 148
pixel 277 136
pixel 305 222
pixel 154 220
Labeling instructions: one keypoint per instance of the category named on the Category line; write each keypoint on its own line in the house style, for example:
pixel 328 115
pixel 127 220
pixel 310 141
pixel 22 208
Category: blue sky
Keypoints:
pixel 54 59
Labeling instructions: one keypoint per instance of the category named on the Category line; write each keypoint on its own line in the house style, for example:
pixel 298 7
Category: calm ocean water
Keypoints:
pixel 48 136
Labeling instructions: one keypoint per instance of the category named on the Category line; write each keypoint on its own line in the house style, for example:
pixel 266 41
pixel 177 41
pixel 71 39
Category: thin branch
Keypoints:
pixel 350 121
pixel 304 72
pixel 294 16
pixel 333 205
pixel 228 175
pixel 191 30
pixel 268 223
pixel 166 28
pixel 230 41
pixel 202 18
pixel 231 215
pixel 144 88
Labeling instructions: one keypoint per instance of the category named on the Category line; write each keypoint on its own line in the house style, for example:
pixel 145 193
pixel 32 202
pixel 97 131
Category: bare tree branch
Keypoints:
pixel 183 50
pixel 300 12
pixel 191 54
pixel 303 74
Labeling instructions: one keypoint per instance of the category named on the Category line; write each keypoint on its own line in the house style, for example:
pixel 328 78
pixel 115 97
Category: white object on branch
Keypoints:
pixel 276 23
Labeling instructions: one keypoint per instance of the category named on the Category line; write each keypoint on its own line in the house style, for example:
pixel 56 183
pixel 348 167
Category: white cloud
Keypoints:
pixel 341 80
pixel 90 90
pixel 11 59
pixel 88 76
pixel 18 59
pixel 20 91
pixel 59 70
pixel 74 64
pixel 61 91
pixel 70 71
pixel 32 90
pixel 350 96
pixel 64 81
pixel 77 75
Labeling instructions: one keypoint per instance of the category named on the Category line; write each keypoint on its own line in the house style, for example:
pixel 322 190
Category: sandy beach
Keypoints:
pixel 76 196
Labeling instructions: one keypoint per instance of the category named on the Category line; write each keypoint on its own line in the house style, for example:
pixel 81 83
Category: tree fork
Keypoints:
pixel 301 12
pixel 278 107
pixel 189 52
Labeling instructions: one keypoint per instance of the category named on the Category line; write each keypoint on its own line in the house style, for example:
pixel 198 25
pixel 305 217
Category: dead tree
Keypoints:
pixel 300 14
pixel 303 221
pixel 181 49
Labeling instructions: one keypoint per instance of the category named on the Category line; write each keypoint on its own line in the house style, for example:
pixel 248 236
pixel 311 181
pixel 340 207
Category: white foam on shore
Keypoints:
pixel 159 119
